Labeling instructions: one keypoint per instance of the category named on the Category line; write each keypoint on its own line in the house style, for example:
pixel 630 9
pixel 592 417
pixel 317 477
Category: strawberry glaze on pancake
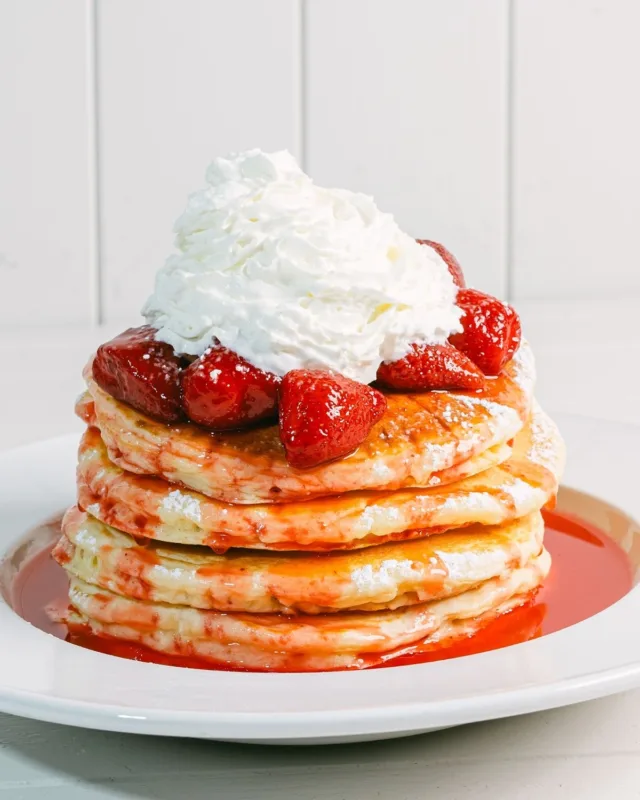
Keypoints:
pixel 420 437
pixel 301 643
pixel 150 507
pixel 388 576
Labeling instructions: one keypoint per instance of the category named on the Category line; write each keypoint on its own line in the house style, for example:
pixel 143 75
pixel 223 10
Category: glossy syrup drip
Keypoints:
pixel 590 572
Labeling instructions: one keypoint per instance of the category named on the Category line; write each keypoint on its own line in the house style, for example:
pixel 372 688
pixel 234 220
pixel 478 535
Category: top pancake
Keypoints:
pixel 150 507
pixel 422 440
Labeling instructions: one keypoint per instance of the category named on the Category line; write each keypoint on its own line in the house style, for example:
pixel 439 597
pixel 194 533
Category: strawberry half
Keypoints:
pixel 491 330
pixel 431 366
pixel 222 391
pixel 449 259
pixel 139 370
pixel 324 416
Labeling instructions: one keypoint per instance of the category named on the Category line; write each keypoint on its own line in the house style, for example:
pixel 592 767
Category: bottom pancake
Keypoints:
pixel 343 640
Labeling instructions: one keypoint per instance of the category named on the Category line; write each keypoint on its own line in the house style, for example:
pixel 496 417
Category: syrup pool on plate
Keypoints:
pixel 589 573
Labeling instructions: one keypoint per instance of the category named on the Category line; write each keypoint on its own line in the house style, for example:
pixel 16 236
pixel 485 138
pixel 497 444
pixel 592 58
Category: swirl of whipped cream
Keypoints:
pixel 290 275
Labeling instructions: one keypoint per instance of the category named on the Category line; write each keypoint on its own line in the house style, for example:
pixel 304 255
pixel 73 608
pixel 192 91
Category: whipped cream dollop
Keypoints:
pixel 290 275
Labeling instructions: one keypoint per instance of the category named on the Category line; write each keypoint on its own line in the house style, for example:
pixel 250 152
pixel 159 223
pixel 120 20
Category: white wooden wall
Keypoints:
pixel 508 129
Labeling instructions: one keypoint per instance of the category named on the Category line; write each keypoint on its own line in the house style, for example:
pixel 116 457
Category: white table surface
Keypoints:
pixel 586 751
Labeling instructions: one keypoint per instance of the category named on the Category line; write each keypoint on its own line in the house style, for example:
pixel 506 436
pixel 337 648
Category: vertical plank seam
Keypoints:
pixel 301 83
pixel 93 133
pixel 509 178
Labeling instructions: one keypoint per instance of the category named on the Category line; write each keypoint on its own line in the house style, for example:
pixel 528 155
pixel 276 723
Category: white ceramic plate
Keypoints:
pixel 46 678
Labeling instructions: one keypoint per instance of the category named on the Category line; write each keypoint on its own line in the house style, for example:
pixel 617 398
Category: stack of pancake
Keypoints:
pixel 213 547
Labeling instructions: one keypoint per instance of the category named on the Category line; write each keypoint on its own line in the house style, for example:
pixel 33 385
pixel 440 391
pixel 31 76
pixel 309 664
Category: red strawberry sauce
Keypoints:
pixel 590 572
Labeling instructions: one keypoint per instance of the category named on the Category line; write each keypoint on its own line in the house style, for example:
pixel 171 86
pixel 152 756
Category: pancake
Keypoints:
pixel 384 577
pixel 152 508
pixel 420 438
pixel 302 643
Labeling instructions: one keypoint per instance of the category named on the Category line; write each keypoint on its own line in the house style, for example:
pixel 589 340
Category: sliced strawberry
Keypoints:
pixel 491 330
pixel 141 371
pixel 431 366
pixel 324 416
pixel 222 391
pixel 449 259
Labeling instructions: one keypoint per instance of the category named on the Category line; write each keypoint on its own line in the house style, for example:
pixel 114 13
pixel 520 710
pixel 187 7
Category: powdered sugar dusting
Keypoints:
pixel 525 371
pixel 176 502
pixel 520 492
pixel 547 447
